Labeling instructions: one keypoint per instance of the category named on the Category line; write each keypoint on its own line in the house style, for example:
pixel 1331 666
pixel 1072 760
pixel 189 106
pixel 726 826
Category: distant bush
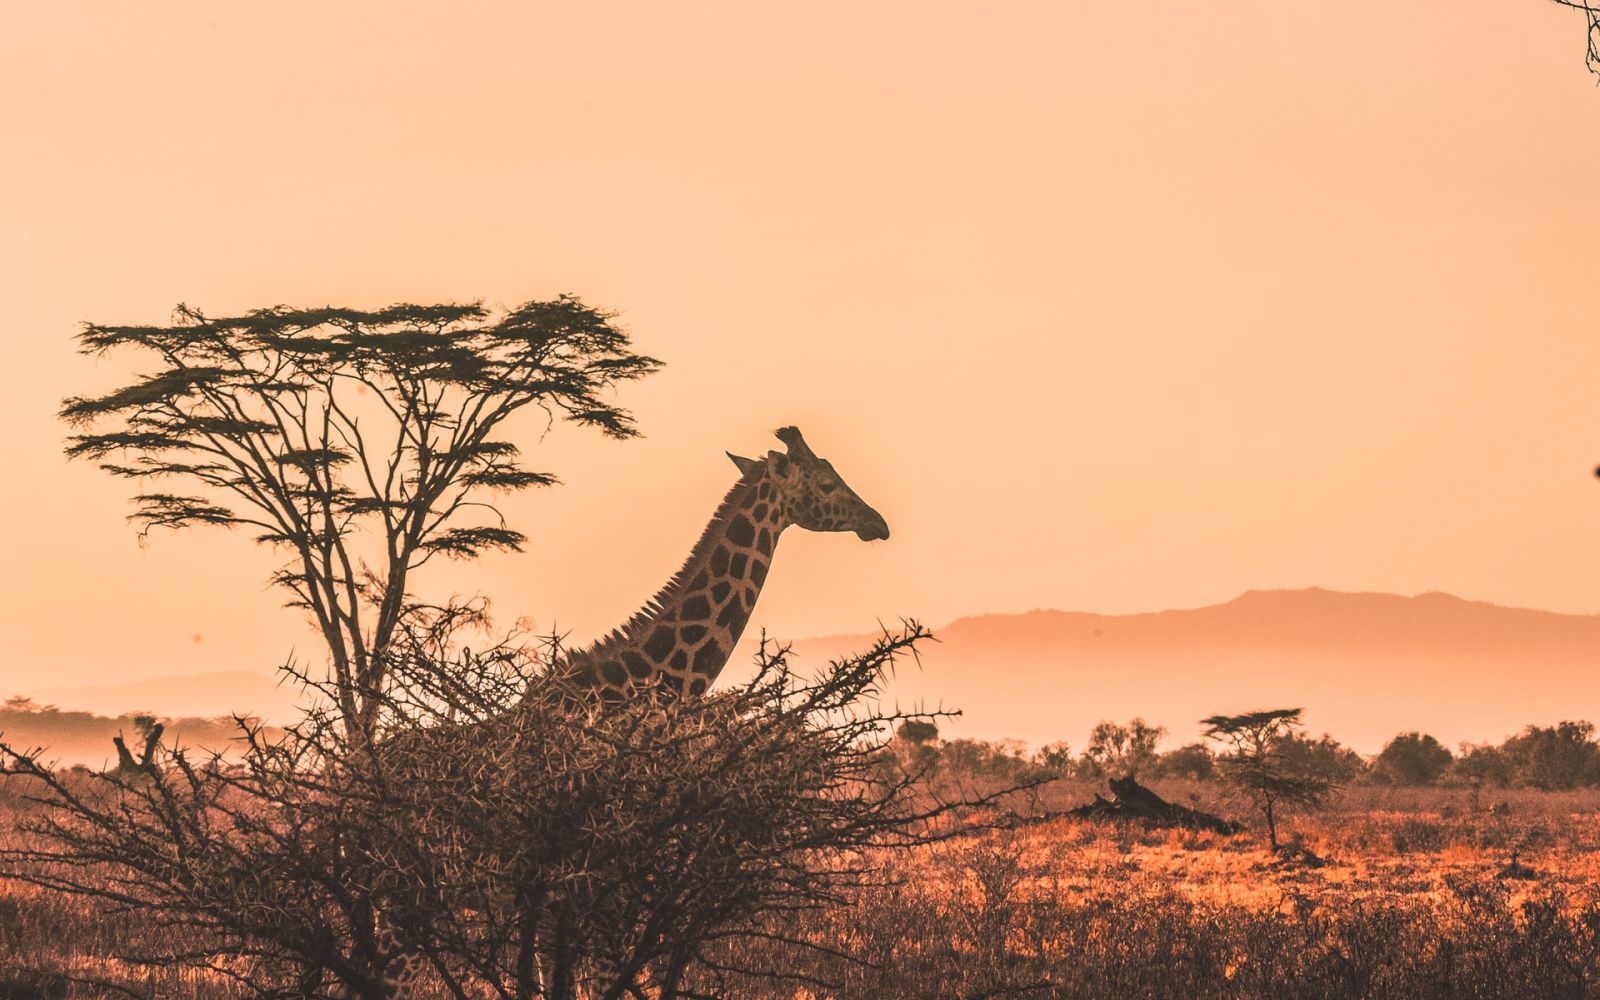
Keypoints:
pixel 1554 757
pixel 1003 761
pixel 1412 759
pixel 1194 762
pixel 1054 758
pixel 1483 764
pixel 1116 750
pixel 1324 758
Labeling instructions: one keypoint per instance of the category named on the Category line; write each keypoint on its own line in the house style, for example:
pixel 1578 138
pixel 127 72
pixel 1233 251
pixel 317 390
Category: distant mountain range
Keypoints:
pixel 1363 665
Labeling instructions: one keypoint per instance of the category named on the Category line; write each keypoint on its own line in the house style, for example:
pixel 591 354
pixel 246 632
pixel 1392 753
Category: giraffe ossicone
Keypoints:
pixel 682 638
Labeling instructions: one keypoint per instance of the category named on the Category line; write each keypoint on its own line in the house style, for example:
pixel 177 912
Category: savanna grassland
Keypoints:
pixel 1383 892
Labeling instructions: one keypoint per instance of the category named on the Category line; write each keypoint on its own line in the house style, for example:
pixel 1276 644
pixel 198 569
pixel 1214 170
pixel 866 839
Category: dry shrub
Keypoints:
pixel 527 841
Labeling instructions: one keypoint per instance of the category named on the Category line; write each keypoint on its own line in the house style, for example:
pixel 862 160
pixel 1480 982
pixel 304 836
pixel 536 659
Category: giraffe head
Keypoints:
pixel 811 494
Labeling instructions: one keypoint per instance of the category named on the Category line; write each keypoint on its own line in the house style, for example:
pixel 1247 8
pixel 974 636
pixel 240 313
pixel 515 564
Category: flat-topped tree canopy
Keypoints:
pixel 318 426
pixel 1262 764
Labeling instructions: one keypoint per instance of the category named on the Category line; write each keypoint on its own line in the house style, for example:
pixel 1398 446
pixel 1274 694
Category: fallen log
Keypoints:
pixel 1132 800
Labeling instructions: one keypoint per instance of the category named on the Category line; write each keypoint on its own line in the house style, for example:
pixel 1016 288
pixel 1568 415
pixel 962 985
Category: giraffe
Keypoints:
pixel 681 639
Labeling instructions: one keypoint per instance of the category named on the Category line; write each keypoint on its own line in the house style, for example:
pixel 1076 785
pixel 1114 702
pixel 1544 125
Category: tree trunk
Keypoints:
pixel 563 977
pixel 529 980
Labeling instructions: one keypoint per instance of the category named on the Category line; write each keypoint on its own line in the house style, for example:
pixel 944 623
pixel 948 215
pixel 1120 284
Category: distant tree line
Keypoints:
pixel 1553 758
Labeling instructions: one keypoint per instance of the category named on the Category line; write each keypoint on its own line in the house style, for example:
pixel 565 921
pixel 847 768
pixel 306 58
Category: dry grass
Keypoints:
pixel 1410 904
pixel 1381 842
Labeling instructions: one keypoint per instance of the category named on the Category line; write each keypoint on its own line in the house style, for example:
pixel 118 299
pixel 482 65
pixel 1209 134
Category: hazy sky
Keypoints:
pixel 1105 306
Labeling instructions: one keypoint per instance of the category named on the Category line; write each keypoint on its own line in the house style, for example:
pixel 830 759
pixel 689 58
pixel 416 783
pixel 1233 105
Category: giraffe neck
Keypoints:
pixel 683 637
pixel 680 640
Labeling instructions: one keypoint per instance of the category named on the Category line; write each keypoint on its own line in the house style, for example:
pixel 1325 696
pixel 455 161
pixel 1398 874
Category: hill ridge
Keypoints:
pixel 1364 664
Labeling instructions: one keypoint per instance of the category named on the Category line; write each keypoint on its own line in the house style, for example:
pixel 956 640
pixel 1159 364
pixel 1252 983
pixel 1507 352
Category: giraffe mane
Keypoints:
pixel 734 500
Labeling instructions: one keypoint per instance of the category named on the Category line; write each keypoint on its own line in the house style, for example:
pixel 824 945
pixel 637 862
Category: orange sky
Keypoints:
pixel 1106 306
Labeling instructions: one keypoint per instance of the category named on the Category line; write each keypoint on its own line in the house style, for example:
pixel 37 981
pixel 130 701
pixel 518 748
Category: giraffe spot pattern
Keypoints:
pixel 691 634
pixel 637 665
pixel 697 687
pixel 612 671
pixel 719 560
pixel 736 567
pixel 760 513
pixel 696 608
pixel 680 660
pixel 672 682
pixel 708 658
pixel 719 591
pixel 758 572
pixel 659 644
pixel 764 543
pixel 741 531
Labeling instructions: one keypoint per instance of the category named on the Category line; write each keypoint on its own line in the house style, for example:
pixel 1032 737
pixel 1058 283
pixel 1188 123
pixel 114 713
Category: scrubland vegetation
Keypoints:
pixel 1457 887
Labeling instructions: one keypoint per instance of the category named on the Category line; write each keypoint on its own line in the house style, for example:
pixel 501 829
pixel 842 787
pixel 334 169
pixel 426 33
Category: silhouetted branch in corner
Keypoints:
pixel 1591 11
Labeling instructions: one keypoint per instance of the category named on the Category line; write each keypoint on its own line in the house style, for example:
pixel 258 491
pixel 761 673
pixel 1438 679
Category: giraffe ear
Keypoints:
pixel 746 465
pixel 790 436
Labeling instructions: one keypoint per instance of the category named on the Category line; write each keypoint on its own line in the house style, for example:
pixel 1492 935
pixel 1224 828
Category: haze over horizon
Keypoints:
pixel 1097 319
pixel 1364 666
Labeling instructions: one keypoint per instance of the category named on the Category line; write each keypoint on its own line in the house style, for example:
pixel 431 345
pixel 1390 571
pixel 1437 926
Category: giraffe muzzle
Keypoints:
pixel 873 528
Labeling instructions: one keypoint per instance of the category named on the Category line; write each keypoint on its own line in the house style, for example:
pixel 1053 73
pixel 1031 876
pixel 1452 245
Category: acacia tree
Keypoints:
pixel 1261 764
pixel 363 443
